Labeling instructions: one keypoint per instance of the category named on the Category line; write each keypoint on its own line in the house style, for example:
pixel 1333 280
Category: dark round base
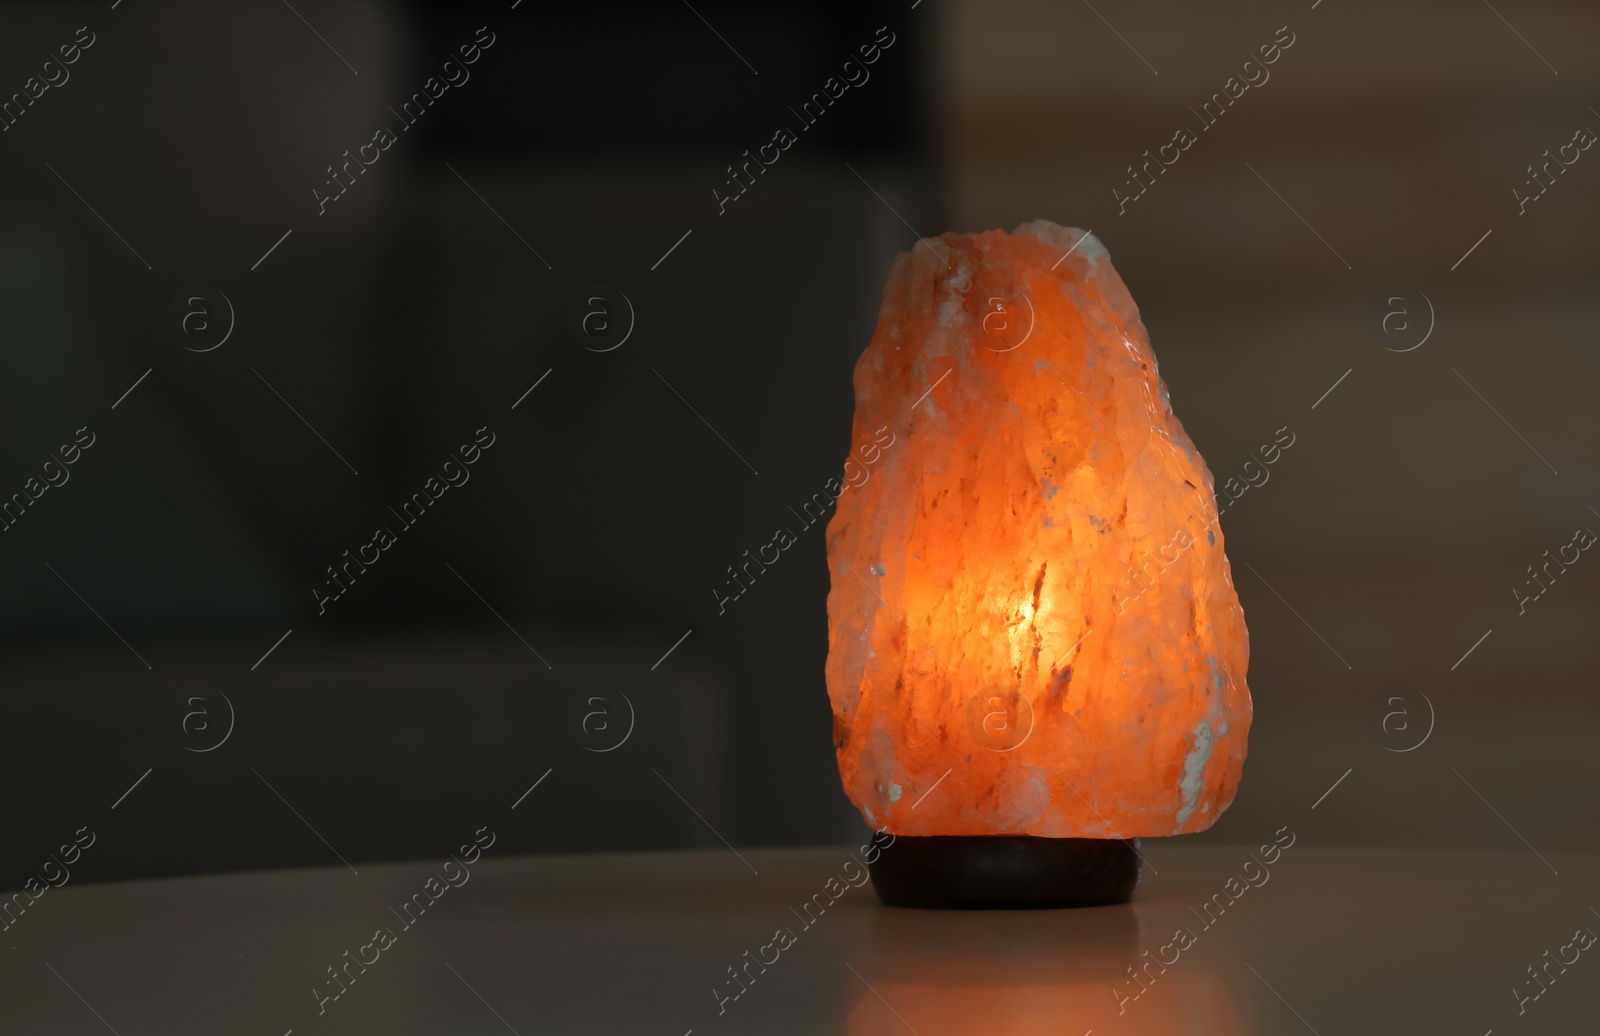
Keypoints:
pixel 1005 872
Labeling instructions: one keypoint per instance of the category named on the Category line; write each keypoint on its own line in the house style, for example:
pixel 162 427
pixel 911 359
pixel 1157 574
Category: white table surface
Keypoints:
pixel 1336 941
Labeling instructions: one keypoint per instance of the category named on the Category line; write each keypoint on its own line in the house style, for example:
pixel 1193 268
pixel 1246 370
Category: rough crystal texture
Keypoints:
pixel 1032 625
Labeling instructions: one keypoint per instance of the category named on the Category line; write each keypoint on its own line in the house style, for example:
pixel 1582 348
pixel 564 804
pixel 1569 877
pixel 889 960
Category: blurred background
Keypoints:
pixel 182 567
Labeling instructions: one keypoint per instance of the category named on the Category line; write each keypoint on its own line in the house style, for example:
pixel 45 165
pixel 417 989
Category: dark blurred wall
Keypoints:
pixel 385 331
pixel 580 148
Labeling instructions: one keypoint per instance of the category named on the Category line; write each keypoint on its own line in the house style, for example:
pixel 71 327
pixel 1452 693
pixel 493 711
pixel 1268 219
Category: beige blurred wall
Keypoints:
pixel 1409 508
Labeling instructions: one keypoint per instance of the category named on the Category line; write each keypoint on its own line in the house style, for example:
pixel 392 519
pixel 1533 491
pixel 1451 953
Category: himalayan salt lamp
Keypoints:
pixel 1035 652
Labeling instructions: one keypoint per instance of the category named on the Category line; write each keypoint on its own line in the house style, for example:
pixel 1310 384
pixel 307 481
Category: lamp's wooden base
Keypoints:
pixel 1005 872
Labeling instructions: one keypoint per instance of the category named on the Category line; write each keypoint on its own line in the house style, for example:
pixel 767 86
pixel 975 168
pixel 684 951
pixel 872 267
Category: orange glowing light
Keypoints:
pixel 1032 625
